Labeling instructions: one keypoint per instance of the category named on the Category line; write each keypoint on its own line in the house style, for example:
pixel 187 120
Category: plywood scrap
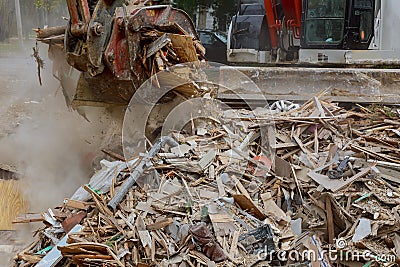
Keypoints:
pixel 282 168
pixel 272 210
pixel 334 184
pixel 12 203
pixel 222 224
pixel 248 205
pixel 207 159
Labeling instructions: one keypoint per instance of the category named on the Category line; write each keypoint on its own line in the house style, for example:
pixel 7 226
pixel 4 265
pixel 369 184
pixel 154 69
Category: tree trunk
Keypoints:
pixel 202 18
pixel 7 19
pixel 19 23
pixel 46 17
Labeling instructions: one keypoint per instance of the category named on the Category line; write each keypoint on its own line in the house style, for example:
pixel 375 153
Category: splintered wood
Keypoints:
pixel 230 194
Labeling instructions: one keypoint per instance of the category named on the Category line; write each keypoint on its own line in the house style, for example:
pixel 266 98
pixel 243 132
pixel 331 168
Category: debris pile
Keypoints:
pixel 320 190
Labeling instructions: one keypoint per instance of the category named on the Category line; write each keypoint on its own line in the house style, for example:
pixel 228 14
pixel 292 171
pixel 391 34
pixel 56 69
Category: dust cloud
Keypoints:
pixel 51 146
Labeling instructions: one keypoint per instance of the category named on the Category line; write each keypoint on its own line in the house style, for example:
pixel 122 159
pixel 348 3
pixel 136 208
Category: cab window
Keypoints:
pixel 324 23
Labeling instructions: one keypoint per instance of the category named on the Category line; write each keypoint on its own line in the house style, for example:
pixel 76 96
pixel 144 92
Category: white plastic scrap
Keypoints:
pixel 284 105
pixel 363 230
pixel 102 179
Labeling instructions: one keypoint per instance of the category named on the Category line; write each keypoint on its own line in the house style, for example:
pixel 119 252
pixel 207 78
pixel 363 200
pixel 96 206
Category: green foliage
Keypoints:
pixel 223 11
pixel 377 109
pixel 7 19
pixel 35 13
pixel 190 6
pixel 47 4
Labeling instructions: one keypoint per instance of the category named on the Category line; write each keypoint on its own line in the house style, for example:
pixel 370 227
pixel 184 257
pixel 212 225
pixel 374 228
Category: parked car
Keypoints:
pixel 215 45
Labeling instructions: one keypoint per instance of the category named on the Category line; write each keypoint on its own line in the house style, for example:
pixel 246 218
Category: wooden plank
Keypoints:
pixel 69 223
pixel 160 224
pixel 207 159
pixel 76 204
pixel 284 145
pixel 222 224
pixel 282 168
pixel 374 154
pixel 29 217
pixel 329 220
pixel 233 249
pixel 221 188
pixel 184 48
pixel 113 154
pixel 248 205
pixel 319 107
pixel 305 150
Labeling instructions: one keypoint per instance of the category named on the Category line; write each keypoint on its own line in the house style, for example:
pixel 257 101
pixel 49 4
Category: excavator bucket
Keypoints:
pixel 119 48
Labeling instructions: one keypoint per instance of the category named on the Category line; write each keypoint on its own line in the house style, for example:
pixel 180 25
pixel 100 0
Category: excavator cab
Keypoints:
pixel 304 32
pixel 360 24
pixel 337 24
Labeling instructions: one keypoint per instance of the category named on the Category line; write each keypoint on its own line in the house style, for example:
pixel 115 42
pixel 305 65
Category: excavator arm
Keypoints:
pixel 80 16
pixel 292 10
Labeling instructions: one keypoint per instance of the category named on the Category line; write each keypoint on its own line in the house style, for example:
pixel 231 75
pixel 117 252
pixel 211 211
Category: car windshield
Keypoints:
pixel 222 36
